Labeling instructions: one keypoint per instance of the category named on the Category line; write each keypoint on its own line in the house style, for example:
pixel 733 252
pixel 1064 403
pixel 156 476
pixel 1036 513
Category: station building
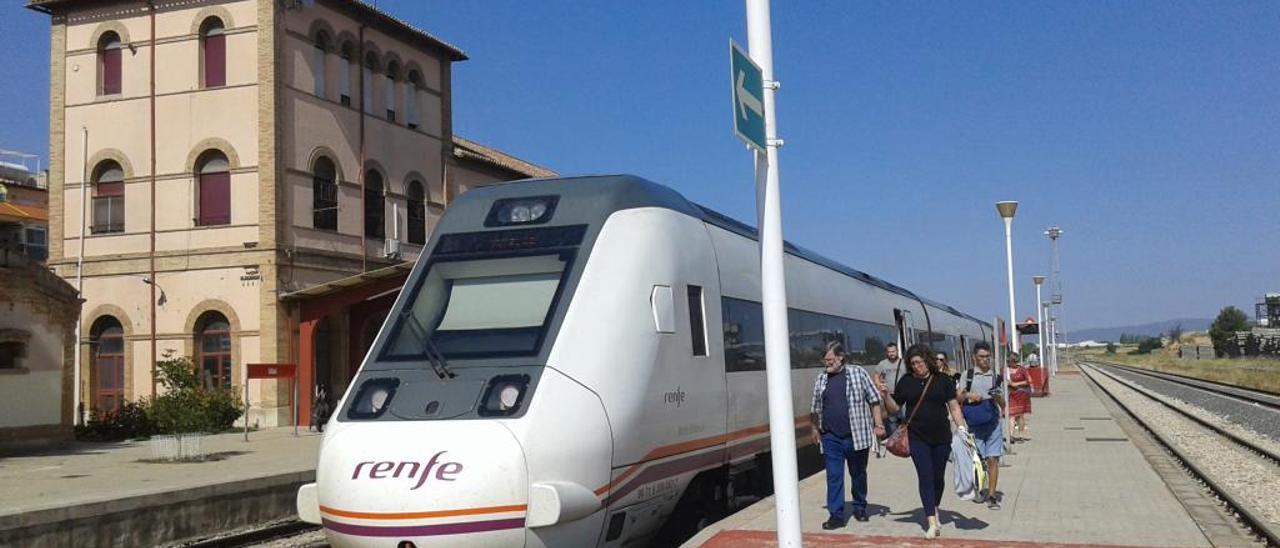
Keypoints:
pixel 218 155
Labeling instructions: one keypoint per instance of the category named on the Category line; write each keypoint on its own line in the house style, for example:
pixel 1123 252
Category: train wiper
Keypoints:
pixel 428 347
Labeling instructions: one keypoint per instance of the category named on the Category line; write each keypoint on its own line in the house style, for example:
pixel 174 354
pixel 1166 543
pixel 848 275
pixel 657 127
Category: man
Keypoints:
pixel 845 406
pixel 981 392
pixel 889 370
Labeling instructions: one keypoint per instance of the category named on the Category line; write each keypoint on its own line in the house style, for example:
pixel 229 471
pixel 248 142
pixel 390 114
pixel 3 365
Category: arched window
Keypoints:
pixel 324 196
pixel 106 350
pixel 411 99
pixel 374 209
pixel 417 204
pixel 213 53
pixel 344 73
pixel 366 93
pixel 109 64
pixel 389 91
pixel 108 198
pixel 213 350
pixel 318 65
pixel 213 180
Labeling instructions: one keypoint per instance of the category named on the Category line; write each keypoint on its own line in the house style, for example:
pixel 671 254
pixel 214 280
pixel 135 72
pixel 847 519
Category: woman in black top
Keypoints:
pixel 929 431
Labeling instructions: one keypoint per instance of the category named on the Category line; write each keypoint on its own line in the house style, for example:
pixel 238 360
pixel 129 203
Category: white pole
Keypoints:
pixel 1044 356
pixel 84 206
pixel 1053 339
pixel 782 440
pixel 1008 257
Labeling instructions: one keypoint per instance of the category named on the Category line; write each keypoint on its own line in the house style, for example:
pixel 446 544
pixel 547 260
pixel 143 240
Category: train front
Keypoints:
pixel 456 431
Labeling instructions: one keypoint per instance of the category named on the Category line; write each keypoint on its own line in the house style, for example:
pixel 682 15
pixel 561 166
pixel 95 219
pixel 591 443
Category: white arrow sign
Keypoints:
pixel 746 99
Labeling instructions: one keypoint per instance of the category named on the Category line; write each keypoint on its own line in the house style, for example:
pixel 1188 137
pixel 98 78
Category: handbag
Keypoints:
pixel 898 444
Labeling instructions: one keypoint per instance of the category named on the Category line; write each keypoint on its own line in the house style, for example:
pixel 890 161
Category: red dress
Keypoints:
pixel 1020 398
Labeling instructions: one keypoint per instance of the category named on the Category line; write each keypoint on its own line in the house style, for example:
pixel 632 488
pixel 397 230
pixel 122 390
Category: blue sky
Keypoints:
pixel 1150 131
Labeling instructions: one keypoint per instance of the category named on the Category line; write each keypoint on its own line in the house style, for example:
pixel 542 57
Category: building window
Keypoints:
pixel 324 195
pixel 213 53
pixel 213 338
pixel 108 198
pixel 10 351
pixel 366 93
pixel 109 64
pixel 319 54
pixel 417 213
pixel 213 179
pixel 35 242
pixel 344 74
pixel 411 99
pixel 106 348
pixel 389 91
pixel 374 209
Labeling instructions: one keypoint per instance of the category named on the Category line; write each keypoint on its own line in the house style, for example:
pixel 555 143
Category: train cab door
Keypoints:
pixel 906 329
pixel 962 354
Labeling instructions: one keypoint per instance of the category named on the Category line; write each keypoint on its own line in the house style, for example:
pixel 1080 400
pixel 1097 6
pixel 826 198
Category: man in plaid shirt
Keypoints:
pixel 845 414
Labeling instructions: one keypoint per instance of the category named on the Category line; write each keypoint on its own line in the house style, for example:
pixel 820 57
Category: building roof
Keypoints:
pixel 360 7
pixel 467 149
pixel 20 213
pixel 327 288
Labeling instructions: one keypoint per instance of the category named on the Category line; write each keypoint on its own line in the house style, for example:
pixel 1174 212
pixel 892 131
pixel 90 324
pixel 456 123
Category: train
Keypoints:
pixel 573 360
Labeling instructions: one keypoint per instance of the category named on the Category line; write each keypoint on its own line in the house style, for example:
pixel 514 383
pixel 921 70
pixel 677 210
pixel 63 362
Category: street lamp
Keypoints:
pixel 1055 288
pixel 1039 280
pixel 1007 209
pixel 163 299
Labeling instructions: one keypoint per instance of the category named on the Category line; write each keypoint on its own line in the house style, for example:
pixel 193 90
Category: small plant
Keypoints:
pixel 187 407
pixel 130 421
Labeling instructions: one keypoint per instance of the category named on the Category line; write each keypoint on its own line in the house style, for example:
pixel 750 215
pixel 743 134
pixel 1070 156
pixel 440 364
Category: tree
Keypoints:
pixel 1111 348
pixel 1175 333
pixel 1223 330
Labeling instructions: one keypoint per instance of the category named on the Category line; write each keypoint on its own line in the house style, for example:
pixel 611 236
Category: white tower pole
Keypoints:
pixel 84 207
pixel 1007 210
pixel 774 291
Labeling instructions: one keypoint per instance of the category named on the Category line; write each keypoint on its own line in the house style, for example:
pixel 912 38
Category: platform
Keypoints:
pixel 110 492
pixel 1079 480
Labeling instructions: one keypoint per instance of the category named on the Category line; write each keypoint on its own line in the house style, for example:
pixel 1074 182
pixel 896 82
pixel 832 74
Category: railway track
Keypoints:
pixel 281 533
pixel 1256 397
pixel 1249 507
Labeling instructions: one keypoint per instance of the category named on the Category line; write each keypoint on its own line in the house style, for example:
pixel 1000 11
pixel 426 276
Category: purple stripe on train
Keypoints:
pixel 423 530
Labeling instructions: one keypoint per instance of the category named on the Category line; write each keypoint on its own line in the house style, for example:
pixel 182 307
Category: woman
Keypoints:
pixel 934 393
pixel 1019 395
pixel 945 368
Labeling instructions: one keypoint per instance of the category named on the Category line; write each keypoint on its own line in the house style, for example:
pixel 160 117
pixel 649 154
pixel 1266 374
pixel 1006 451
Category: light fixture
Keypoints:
pixel 1007 209
pixel 522 211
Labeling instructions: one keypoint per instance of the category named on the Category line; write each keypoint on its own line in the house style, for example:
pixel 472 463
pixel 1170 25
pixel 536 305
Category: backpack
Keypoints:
pixel 983 412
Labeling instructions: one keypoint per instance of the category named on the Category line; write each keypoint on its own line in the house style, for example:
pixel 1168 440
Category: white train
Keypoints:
pixel 570 358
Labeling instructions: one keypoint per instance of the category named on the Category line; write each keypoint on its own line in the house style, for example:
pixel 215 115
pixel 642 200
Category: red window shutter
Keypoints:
pixel 111 71
pixel 215 198
pixel 112 188
pixel 215 60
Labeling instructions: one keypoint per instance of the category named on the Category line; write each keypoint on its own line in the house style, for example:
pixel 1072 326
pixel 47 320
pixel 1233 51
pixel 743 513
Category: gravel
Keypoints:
pixel 1250 478
pixel 309 539
pixel 1264 421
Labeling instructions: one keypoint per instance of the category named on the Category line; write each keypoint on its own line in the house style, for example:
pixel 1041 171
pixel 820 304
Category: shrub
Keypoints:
pixel 131 420
pixel 186 406
pixel 1223 330
pixel 1111 348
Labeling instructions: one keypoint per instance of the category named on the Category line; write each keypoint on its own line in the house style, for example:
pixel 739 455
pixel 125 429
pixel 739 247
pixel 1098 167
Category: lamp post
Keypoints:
pixel 1055 288
pixel 1007 209
pixel 1039 280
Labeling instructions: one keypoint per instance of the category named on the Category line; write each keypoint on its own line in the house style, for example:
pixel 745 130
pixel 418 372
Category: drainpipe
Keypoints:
pixel 364 259
pixel 154 281
pixel 84 207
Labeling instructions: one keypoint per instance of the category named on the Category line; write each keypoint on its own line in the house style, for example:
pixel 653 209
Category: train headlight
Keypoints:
pixel 373 398
pixel 505 395
pixel 521 211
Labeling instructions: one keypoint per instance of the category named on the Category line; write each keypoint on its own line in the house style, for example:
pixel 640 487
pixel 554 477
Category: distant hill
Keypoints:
pixel 1148 329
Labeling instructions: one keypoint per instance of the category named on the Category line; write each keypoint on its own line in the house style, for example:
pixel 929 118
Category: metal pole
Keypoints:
pixel 1053 339
pixel 295 402
pixel 774 292
pixel 246 407
pixel 84 207
pixel 152 255
pixel 1008 257
pixel 1044 357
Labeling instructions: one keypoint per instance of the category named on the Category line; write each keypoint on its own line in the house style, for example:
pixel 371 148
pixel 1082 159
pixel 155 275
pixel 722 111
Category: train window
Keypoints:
pixel 480 307
pixel 697 327
pixel 743 335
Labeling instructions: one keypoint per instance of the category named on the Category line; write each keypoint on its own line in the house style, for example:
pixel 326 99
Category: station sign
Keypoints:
pixel 271 370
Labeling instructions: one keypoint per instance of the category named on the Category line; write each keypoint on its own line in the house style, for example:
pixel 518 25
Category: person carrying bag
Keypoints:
pixel 898 443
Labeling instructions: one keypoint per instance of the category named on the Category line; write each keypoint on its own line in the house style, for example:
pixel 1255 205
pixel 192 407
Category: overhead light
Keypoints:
pixel 522 211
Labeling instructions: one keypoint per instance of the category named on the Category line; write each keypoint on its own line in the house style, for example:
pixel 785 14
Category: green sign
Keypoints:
pixel 747 85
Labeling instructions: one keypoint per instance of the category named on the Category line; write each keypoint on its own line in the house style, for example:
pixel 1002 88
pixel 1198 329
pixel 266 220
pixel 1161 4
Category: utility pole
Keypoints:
pixel 1007 210
pixel 773 289
pixel 1055 285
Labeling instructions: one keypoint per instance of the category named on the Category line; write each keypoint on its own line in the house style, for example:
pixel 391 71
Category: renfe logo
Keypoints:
pixel 410 469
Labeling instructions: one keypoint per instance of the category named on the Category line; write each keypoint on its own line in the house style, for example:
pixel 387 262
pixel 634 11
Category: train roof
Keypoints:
pixel 630 191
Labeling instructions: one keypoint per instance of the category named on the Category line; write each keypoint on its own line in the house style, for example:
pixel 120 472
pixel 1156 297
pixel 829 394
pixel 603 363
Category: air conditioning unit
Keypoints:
pixel 391 248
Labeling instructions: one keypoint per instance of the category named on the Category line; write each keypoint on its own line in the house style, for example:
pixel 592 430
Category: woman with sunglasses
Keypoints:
pixel 944 367
pixel 925 387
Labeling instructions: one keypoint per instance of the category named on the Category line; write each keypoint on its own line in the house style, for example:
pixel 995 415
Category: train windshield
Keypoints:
pixel 479 308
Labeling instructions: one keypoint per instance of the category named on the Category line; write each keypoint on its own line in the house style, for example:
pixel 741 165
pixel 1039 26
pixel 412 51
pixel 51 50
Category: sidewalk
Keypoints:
pixel 1079 480
pixel 52 496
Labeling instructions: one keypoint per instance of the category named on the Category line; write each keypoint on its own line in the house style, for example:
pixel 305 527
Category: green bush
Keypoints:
pixel 1147 345
pixel 1222 332
pixel 186 406
pixel 131 420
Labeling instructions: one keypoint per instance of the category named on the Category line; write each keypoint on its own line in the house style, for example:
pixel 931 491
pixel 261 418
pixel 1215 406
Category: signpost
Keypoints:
pixel 751 78
pixel 746 83
pixel 272 371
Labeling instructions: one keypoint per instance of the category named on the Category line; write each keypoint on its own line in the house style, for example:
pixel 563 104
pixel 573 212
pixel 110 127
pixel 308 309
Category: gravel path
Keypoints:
pixel 1262 420
pixel 1251 479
